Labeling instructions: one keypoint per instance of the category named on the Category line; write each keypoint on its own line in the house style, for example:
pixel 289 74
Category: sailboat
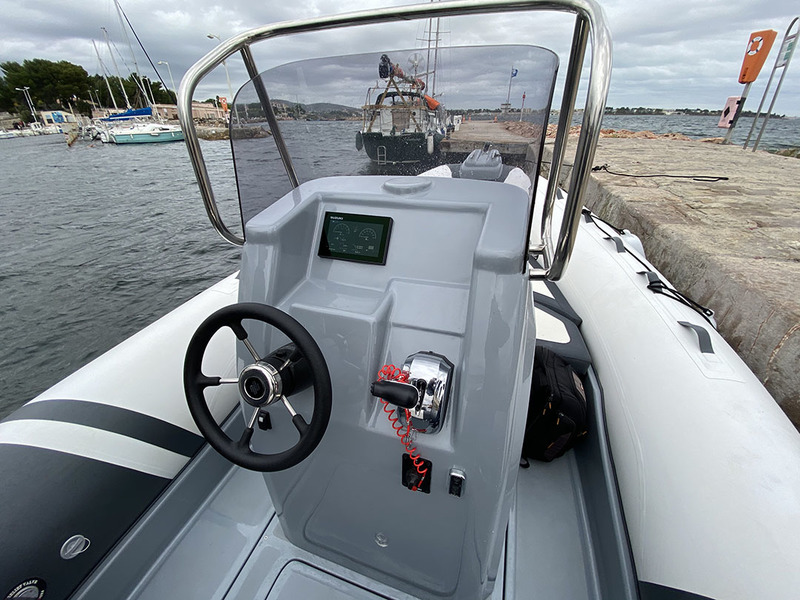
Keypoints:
pixel 134 125
pixel 402 121
pixel 350 413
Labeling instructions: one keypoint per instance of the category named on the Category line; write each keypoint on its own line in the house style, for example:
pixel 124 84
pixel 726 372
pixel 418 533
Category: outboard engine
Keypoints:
pixel 485 164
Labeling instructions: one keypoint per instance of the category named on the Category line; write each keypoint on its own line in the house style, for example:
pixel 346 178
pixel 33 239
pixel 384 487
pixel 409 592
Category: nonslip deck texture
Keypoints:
pixel 732 245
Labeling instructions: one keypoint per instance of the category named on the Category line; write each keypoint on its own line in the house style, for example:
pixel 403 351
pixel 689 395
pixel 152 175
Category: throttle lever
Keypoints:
pixel 400 394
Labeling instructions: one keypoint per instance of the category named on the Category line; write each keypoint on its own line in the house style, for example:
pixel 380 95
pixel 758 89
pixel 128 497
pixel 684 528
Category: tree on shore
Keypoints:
pixel 63 85
pixel 52 84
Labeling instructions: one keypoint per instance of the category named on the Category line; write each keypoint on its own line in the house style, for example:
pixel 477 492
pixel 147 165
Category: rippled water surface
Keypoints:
pixel 99 241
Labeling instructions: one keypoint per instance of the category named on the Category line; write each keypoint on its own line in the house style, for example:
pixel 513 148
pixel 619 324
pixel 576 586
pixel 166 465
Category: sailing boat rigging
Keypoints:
pixel 129 126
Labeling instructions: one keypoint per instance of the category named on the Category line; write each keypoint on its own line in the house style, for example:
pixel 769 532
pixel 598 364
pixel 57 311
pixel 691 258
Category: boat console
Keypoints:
pixel 413 292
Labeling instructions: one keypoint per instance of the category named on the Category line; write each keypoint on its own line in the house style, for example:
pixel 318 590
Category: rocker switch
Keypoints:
pixel 457 481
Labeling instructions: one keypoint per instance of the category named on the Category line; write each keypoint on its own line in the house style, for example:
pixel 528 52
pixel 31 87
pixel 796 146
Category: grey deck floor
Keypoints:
pixel 234 549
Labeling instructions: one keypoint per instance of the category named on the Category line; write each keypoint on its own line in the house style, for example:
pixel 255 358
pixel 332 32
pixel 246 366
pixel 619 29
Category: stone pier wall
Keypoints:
pixel 732 244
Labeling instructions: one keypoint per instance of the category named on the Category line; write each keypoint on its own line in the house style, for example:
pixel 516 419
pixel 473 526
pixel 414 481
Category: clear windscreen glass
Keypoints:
pixel 387 113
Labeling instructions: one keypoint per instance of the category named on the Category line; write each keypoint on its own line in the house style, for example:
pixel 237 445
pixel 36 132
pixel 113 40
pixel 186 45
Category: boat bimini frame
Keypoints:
pixel 590 25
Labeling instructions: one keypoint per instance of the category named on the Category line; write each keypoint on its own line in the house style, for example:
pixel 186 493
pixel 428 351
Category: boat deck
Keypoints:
pixel 214 534
pixel 732 245
pixel 233 548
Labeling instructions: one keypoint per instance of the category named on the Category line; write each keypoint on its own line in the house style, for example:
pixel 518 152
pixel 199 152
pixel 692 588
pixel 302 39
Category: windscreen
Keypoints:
pixel 389 112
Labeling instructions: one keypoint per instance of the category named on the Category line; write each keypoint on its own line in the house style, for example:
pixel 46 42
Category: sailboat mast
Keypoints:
pixel 103 68
pixel 435 58
pixel 148 95
pixel 116 68
pixel 428 57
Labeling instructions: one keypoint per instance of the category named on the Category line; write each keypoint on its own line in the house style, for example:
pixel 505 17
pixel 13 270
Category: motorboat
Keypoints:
pixel 144 133
pixel 135 126
pixel 346 416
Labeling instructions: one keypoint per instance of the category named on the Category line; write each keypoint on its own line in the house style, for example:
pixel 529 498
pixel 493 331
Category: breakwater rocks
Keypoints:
pixel 532 130
pixel 206 132
pixel 793 152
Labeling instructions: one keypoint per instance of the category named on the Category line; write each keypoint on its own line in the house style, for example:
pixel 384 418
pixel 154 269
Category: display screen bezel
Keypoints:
pixel 326 252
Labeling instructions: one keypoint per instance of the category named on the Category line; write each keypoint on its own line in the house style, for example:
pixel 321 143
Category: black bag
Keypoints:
pixel 557 409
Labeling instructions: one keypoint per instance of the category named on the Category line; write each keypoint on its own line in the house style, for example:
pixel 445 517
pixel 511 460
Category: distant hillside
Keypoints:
pixel 326 110
pixel 326 107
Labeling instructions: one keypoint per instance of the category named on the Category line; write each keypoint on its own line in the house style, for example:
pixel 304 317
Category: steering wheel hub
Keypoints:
pixel 260 384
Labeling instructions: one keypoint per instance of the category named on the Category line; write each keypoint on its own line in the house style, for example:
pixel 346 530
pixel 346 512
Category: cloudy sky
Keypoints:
pixel 674 54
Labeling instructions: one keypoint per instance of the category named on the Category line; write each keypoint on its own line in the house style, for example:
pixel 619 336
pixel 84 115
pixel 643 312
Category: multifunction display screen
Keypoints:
pixel 360 238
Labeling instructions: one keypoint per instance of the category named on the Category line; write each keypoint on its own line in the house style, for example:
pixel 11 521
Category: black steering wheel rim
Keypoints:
pixel 194 382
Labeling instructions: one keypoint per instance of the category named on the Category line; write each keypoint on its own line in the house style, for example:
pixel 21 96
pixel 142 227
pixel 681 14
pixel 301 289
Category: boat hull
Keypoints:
pixel 399 149
pixel 700 447
pixel 146 138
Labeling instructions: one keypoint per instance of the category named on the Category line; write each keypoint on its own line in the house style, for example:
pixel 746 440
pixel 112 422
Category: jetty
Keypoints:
pixel 723 225
pixel 472 135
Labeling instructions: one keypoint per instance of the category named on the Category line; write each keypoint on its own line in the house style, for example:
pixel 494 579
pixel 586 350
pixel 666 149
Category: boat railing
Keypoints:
pixel 590 26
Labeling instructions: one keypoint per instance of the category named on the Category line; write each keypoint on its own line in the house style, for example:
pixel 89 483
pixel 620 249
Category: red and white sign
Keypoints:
pixel 756 54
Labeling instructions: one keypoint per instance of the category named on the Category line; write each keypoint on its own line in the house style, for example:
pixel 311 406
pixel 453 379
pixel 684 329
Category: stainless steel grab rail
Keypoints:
pixel 590 26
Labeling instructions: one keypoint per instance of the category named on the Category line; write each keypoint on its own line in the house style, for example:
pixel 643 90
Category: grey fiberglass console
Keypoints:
pixel 379 269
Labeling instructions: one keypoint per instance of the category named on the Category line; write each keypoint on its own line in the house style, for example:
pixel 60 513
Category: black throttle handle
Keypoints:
pixel 403 395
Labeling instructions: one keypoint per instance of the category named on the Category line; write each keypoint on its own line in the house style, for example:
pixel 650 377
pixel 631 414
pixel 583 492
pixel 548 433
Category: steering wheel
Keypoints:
pixel 261 383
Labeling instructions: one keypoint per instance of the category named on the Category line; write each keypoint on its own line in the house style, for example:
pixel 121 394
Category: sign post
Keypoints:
pixel 755 56
pixel 781 62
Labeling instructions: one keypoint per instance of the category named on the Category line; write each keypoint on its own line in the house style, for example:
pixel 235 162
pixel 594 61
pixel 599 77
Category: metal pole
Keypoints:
pixel 116 68
pixel 263 97
pixel 108 85
pixel 435 59
pixel 580 37
pixel 171 80
pixel 28 101
pixel 212 36
pixel 591 24
pixel 510 79
pixel 785 66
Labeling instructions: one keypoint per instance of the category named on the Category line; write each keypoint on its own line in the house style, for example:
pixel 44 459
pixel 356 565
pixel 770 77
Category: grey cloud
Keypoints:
pixel 672 54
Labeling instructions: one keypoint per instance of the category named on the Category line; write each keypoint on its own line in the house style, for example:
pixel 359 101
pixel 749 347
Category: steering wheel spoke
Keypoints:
pixel 247 434
pixel 300 424
pixel 297 419
pixel 305 349
pixel 251 350
pixel 204 381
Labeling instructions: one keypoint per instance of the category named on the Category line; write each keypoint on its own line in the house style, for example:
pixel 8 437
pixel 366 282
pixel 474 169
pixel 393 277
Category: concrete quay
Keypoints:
pixel 732 245
pixel 472 135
